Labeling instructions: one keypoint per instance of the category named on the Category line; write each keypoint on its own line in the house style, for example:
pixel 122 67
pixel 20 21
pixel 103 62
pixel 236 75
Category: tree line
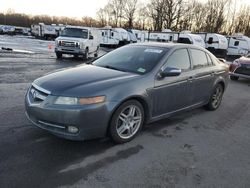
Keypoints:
pixel 218 16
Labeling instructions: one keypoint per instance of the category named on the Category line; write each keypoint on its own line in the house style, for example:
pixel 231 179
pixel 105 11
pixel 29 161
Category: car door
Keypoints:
pixel 172 94
pixel 204 75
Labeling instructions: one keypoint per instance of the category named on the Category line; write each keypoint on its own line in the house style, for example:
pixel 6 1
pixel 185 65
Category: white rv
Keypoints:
pixel 215 43
pixel 188 38
pixel 140 35
pixel 78 41
pixel 114 37
pixel 44 31
pixel 238 45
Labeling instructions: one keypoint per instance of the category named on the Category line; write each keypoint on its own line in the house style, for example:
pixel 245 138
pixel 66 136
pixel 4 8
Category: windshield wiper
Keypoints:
pixel 114 68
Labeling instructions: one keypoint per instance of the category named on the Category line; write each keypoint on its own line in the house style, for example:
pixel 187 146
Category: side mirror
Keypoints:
pixel 91 37
pixel 169 72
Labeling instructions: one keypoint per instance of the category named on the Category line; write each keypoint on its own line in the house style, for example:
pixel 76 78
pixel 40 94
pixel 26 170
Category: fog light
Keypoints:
pixel 72 129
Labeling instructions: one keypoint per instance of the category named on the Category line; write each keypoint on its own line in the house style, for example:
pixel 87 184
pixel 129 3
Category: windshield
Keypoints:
pixel 136 59
pixel 74 32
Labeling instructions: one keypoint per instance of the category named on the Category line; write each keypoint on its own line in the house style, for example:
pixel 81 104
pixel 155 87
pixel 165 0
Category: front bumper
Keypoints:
pixel 91 120
pixel 69 50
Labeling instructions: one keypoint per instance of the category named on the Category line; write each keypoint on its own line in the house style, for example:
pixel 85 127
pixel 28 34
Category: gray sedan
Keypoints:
pixel 125 89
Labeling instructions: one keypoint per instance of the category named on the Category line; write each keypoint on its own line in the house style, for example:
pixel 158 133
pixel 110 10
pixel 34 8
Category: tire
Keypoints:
pixel 126 122
pixel 86 55
pixel 58 55
pixel 96 52
pixel 215 98
pixel 235 78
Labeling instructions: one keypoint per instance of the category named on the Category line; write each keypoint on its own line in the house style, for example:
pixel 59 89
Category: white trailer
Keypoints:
pixel 78 41
pixel 114 37
pixel 215 43
pixel 140 35
pixel 43 31
pixel 238 45
pixel 187 38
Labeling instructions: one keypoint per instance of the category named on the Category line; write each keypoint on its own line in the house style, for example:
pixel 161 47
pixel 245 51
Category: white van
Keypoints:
pixel 215 43
pixel 238 45
pixel 78 41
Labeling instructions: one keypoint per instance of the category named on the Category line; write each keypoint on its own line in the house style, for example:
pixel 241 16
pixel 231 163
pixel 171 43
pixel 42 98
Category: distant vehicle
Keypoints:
pixel 240 68
pixel 215 43
pixel 114 37
pixel 43 31
pixel 140 35
pixel 238 45
pixel 78 41
pixel 126 88
pixel 7 29
pixel 186 37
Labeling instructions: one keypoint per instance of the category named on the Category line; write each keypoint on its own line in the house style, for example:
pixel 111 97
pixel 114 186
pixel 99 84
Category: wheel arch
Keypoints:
pixel 141 100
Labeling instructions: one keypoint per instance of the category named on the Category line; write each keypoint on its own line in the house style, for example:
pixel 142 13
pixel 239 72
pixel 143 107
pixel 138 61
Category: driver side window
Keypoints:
pixel 179 59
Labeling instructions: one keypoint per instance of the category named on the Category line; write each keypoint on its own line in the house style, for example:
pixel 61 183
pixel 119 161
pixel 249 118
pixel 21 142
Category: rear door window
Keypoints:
pixel 199 58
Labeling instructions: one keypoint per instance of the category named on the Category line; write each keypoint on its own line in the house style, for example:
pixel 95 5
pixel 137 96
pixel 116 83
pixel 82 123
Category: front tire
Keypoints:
pixel 86 55
pixel 126 122
pixel 216 98
pixel 58 55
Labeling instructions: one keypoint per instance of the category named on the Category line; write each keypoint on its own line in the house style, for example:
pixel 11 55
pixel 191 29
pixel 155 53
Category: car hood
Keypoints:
pixel 71 39
pixel 83 80
pixel 244 60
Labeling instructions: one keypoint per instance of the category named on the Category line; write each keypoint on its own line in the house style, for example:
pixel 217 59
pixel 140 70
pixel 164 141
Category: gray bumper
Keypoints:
pixel 239 75
pixel 91 120
pixel 68 50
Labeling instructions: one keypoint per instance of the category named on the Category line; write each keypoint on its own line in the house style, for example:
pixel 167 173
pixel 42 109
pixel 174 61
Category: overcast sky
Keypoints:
pixel 70 8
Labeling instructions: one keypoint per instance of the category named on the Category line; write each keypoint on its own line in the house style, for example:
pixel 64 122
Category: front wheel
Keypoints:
pixel 58 55
pixel 216 98
pixel 86 55
pixel 127 121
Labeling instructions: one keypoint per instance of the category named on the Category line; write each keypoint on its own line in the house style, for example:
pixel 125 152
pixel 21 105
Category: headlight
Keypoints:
pixel 79 101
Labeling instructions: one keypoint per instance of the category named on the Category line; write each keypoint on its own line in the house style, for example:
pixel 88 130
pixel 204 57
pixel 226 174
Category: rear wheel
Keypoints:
pixel 58 55
pixel 127 121
pixel 216 98
pixel 235 78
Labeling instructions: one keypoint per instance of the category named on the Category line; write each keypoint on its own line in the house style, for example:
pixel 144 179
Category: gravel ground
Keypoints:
pixel 194 149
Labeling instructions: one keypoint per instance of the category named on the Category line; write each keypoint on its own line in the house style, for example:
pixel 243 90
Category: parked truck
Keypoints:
pixel 78 41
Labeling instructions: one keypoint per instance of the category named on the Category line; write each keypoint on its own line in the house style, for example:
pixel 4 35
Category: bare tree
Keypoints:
pixel 130 7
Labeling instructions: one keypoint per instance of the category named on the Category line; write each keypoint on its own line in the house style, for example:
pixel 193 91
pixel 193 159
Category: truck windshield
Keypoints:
pixel 74 32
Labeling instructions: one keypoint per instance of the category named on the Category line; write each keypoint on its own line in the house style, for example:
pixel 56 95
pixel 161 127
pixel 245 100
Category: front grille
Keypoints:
pixel 243 69
pixel 36 95
pixel 68 44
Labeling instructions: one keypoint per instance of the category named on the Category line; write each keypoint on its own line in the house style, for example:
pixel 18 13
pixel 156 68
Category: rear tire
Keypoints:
pixel 216 98
pixel 235 78
pixel 58 55
pixel 126 122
